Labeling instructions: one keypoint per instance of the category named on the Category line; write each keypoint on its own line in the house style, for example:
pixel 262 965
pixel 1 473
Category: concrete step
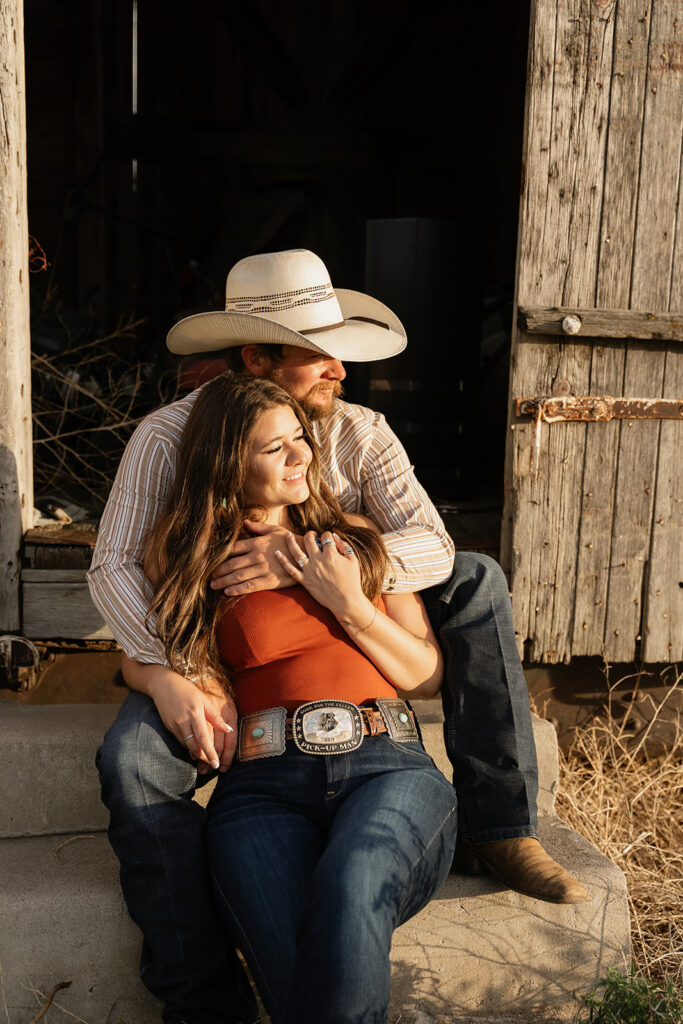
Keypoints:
pixel 50 785
pixel 476 949
pixel 481 948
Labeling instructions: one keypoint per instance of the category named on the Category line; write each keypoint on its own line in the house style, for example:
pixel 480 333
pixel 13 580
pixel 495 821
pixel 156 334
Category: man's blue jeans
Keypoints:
pixel 487 719
pixel 157 832
pixel 316 859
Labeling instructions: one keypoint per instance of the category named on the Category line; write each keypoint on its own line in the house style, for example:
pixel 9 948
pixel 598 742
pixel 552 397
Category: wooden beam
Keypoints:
pixel 567 322
pixel 16 465
pixel 57 604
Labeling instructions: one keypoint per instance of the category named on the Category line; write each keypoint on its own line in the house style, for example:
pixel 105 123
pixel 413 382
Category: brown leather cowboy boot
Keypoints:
pixel 523 865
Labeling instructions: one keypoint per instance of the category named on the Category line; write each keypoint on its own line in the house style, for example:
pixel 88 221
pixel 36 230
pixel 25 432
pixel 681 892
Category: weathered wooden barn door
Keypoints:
pixel 593 518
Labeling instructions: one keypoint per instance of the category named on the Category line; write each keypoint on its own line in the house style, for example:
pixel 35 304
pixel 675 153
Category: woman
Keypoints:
pixel 333 826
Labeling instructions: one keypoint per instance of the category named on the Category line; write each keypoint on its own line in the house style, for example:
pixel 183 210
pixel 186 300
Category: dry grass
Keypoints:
pixel 629 803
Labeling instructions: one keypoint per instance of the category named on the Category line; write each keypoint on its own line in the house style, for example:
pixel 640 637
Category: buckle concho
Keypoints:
pixel 262 734
pixel 327 727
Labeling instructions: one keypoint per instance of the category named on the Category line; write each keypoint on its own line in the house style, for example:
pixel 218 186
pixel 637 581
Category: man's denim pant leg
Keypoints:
pixel 487 727
pixel 316 859
pixel 157 833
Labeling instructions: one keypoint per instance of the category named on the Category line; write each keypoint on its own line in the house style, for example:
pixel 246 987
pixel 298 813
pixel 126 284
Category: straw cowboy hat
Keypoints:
pixel 286 298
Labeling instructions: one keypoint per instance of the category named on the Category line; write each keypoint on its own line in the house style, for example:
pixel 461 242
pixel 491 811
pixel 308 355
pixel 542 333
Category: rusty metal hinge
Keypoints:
pixel 590 408
pixel 19 662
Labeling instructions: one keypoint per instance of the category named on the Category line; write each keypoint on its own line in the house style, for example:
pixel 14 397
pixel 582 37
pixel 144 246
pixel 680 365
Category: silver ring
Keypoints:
pixel 328 541
pixel 301 563
pixel 348 550
pixel 190 737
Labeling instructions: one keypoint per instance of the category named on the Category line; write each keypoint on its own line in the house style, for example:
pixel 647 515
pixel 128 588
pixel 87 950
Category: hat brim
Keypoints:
pixel 369 331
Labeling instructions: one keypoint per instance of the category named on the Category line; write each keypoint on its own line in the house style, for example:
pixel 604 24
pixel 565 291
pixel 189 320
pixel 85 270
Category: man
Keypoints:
pixel 284 320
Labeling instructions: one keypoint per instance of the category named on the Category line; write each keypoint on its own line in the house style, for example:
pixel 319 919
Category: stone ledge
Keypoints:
pixel 479 948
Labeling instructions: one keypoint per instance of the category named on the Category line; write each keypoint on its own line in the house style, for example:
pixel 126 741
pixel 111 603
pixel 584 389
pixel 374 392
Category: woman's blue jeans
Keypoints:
pixel 316 860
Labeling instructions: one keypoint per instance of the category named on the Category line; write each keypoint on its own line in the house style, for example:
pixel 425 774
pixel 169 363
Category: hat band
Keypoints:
pixel 332 327
pixel 280 301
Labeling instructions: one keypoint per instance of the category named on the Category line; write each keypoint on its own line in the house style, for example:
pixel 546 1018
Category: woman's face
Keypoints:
pixel 279 457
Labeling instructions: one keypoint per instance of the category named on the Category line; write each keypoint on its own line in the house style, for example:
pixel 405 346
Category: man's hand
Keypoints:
pixel 253 564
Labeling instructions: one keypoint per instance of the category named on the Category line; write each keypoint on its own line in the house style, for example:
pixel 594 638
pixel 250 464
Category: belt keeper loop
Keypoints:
pixel 371 719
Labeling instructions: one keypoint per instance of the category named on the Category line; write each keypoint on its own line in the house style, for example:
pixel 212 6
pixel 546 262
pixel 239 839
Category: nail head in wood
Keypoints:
pixel 571 325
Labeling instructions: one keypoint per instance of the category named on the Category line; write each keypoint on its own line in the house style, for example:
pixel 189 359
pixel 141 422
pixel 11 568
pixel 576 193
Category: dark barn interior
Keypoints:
pixel 168 140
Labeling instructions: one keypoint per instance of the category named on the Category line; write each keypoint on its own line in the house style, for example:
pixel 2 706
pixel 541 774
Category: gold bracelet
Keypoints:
pixel 357 632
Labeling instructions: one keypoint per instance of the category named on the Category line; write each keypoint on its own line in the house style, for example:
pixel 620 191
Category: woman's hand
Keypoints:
pixel 203 721
pixel 329 571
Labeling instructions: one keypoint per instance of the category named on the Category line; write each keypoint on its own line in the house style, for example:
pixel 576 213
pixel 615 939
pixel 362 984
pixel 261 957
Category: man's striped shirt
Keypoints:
pixel 364 463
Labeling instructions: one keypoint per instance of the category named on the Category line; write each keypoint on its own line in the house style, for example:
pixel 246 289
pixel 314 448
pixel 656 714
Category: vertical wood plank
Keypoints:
pixel 644 365
pixel 622 174
pixel 517 538
pixel 16 465
pixel 663 611
pixel 558 264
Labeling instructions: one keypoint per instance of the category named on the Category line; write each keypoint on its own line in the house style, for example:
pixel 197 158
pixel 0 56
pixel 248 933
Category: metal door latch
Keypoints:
pixel 590 408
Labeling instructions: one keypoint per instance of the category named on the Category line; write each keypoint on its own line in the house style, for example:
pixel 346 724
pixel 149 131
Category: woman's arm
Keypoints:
pixel 401 643
pixel 208 714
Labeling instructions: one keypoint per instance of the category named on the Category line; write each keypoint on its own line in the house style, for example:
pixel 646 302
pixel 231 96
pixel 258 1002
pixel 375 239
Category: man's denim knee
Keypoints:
pixel 139 760
pixel 475 576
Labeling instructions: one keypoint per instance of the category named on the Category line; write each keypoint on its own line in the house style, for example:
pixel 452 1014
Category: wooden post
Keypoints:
pixel 16 464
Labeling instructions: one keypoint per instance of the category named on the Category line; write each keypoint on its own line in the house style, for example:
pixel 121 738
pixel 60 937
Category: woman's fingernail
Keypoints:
pixel 278 553
pixel 230 728
pixel 214 764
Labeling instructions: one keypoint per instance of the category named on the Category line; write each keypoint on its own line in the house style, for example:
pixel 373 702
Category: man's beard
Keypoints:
pixel 307 403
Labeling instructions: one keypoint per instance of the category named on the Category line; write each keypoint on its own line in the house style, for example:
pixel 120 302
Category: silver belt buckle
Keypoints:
pixel 327 727
pixel 262 734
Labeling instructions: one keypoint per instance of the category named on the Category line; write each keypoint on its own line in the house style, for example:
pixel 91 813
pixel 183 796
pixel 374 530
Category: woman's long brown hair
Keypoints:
pixel 205 512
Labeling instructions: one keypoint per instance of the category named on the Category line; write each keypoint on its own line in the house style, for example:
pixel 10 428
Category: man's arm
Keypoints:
pixel 117 581
pixel 420 550
pixel 121 590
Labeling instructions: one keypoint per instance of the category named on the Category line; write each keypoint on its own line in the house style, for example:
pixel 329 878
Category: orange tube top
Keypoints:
pixel 282 649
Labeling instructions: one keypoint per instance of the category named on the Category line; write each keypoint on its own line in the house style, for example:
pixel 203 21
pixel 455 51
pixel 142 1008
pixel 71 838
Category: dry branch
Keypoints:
pixel 48 1000
pixel 89 394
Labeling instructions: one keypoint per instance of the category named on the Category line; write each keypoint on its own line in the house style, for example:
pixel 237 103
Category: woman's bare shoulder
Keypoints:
pixel 356 519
